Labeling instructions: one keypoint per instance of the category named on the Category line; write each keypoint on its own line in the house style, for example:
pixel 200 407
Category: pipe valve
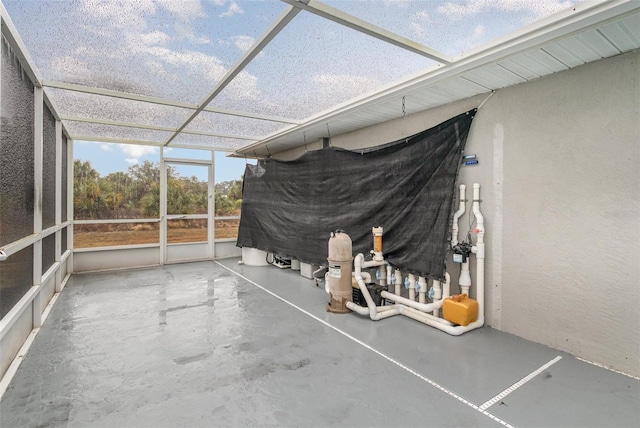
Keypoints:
pixel 461 252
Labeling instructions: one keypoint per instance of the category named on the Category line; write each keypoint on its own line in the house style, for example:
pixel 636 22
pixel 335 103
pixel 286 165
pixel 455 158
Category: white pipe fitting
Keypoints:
pixel 424 307
pixel 437 296
pixel 366 276
pixel 374 312
pixel 465 278
pixel 422 293
pixel 479 249
pixel 458 214
pixel 412 287
pixel 382 273
pixel 398 284
pixel 446 290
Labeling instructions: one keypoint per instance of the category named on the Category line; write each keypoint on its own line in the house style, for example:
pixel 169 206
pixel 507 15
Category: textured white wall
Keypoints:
pixel 561 200
pixel 570 214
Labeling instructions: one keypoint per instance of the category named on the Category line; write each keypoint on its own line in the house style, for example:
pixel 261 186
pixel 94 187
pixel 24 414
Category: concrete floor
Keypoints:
pixel 218 344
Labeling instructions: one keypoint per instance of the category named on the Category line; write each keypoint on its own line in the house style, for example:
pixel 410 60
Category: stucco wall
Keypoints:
pixel 561 199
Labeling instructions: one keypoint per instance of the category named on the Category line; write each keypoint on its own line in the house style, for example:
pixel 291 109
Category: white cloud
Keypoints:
pixel 120 13
pixel 400 3
pixel 243 42
pixel 472 39
pixel 185 10
pixel 70 66
pixel 419 21
pixel 137 151
pixel 106 147
pixel 234 9
pixel 195 62
pixel 344 85
pixel 154 38
pixel 538 8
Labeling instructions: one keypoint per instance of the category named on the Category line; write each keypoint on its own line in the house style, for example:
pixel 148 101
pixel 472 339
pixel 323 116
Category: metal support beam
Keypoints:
pixel 100 139
pixel 161 101
pixel 350 21
pixel 257 47
pixel 154 127
pixel 17 45
pixel 38 164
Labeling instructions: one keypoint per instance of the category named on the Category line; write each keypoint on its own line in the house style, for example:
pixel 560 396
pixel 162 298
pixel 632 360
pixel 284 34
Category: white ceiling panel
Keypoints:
pixel 620 36
pixel 493 76
pixel 598 43
pixel 631 25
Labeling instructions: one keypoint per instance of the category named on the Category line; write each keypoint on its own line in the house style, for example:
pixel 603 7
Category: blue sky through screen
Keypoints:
pixel 109 157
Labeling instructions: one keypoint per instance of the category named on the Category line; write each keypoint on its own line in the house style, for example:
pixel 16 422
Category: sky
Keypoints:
pixel 180 49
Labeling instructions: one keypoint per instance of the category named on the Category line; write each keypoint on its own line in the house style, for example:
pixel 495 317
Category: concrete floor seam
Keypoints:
pixel 518 384
pixel 397 363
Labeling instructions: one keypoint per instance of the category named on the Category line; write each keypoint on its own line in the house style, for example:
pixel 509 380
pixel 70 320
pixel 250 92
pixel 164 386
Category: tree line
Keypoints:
pixel 136 193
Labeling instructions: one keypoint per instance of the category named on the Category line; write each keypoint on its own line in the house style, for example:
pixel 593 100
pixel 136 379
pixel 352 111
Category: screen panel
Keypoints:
pixel 16 150
pixel 16 277
pixel 48 169
pixel 65 161
pixel 48 252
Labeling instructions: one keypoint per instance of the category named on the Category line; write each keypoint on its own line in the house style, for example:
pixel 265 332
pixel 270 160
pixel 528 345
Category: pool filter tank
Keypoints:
pixel 339 275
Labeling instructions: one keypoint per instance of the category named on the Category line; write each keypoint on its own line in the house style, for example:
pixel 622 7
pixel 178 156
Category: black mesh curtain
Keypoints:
pixel 408 187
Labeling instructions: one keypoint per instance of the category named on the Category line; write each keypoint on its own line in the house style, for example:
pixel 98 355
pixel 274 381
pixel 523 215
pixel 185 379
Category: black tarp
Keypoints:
pixel 407 187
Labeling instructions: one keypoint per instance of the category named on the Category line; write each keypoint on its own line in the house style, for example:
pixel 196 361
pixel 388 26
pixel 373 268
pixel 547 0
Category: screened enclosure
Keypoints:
pixel 118 117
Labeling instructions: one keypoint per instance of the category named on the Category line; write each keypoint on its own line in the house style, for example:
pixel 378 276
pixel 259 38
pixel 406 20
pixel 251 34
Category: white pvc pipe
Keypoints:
pixel 479 251
pixel 437 296
pixel 413 309
pixel 422 293
pixel 446 290
pixel 374 312
pixel 366 276
pixel 464 281
pixel 454 330
pixel 423 315
pixel 412 287
pixel 424 307
pixel 398 290
pixel 371 263
pixel 458 214
pixel 389 275
pixel 383 276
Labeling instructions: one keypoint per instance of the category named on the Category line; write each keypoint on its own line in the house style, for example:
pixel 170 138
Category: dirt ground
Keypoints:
pixel 112 235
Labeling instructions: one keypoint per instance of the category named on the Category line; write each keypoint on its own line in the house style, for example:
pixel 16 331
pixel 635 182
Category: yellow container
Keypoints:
pixel 460 309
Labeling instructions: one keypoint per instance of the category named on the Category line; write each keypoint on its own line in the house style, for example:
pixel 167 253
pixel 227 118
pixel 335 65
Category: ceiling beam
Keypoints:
pixel 285 17
pixel 160 101
pixel 17 46
pixel 153 127
pixel 350 21
pixel 100 139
